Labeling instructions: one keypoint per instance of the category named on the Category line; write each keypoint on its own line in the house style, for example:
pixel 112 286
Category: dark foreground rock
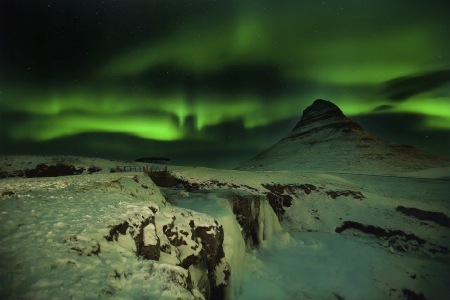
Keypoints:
pixel 246 210
pixel 184 238
pixel 377 231
pixel 399 241
pixel 436 217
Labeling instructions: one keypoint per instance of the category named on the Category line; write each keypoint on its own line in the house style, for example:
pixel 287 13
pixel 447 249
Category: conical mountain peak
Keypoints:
pixel 326 140
pixel 322 115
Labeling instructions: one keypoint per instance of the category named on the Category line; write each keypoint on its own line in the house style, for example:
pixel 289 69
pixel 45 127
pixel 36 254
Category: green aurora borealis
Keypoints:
pixel 215 82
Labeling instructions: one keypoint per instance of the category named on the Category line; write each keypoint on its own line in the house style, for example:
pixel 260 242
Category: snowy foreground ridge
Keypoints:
pixel 222 234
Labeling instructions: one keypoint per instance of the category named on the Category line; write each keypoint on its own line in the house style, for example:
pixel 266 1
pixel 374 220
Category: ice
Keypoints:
pixel 215 205
pixel 320 265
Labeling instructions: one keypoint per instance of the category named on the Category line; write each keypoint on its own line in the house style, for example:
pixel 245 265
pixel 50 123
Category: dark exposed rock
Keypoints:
pixel 146 251
pixel 338 296
pixel 164 179
pixel 377 231
pixel 246 210
pixel 307 188
pixel 83 246
pixel 344 127
pixel 212 240
pixel 116 230
pixel 12 174
pixel 212 243
pixel 278 202
pixel 213 183
pixel 172 235
pixel 210 254
pixel 436 217
pixel 354 194
pixel 94 169
pixel 42 170
pixel 275 188
pixel 411 295
pixel 280 195
pixel 8 193
pixel 153 160
pixel 323 110
pixel 290 189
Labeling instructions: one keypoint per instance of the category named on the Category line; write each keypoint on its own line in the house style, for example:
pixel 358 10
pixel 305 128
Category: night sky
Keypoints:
pixel 213 83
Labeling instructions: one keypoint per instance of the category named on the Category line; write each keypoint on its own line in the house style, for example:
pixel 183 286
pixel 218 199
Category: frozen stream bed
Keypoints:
pixel 317 265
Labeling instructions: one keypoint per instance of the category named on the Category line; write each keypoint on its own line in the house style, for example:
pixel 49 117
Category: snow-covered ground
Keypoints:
pixel 381 269
pixel 53 245
pixel 330 266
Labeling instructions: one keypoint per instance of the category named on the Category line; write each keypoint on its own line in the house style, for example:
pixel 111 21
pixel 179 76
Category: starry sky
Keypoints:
pixel 213 83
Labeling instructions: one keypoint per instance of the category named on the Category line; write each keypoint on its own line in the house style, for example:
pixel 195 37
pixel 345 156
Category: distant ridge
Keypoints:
pixel 326 140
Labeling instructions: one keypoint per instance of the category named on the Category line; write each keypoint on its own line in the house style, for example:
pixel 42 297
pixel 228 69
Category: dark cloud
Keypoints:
pixel 402 129
pixel 43 40
pixel 382 108
pixel 402 88
pixel 265 81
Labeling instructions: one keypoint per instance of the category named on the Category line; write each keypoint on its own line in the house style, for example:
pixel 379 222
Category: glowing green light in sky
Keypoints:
pixel 437 122
pixel 261 38
pixel 346 68
pixel 50 127
pixel 439 107
pixel 163 117
pixel 368 60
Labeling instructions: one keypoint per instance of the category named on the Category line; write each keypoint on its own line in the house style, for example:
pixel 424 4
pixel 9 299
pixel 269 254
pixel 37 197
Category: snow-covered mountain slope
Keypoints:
pixel 326 140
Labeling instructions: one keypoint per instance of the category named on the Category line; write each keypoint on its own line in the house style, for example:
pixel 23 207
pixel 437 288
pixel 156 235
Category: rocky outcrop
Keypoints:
pixel 184 238
pixel 355 194
pixel 164 179
pixel 278 199
pixel 44 170
pixel 411 295
pixel 377 231
pixel 246 210
pixel 144 235
pixel 83 246
pixel 436 217
pixel 322 115
pixel 396 240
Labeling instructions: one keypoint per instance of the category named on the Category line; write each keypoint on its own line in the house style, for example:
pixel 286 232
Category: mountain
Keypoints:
pixel 326 140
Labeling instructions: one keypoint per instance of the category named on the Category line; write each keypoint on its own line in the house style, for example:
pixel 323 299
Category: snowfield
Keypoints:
pixel 315 235
pixel 53 239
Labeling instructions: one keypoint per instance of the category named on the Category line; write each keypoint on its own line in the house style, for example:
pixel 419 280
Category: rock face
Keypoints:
pixel 322 115
pixel 326 140
pixel 184 238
